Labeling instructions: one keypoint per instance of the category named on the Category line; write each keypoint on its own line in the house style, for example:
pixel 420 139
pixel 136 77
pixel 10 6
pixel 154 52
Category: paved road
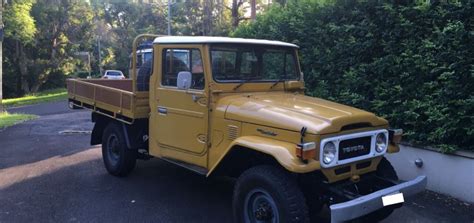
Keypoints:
pixel 46 176
pixel 44 109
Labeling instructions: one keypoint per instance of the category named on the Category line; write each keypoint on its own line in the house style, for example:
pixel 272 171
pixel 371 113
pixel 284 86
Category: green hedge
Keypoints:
pixel 412 64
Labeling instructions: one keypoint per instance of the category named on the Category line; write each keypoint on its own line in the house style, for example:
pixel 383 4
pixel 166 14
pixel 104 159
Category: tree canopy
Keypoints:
pixel 19 22
pixel 408 61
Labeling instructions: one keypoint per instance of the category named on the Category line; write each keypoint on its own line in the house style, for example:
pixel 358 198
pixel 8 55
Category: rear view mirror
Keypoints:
pixel 184 80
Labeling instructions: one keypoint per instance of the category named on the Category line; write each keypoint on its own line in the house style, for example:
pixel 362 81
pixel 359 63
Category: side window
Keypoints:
pixel 177 60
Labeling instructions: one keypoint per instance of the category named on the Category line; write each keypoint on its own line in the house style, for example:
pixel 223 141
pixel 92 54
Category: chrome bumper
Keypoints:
pixel 369 203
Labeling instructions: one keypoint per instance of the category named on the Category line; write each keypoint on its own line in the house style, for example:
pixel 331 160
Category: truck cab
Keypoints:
pixel 236 107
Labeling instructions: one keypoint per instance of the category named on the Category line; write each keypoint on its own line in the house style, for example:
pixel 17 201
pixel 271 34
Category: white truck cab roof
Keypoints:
pixel 215 39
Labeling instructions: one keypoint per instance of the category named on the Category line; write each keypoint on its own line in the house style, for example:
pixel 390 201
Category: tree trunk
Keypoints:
pixel 253 9
pixel 235 13
pixel 205 16
pixel 1 57
pixel 21 61
pixel 1 69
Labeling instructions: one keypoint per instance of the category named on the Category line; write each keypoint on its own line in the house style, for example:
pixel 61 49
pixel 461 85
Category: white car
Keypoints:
pixel 113 74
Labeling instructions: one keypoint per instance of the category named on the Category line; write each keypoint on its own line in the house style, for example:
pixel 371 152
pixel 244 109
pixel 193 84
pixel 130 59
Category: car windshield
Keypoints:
pixel 114 73
pixel 253 63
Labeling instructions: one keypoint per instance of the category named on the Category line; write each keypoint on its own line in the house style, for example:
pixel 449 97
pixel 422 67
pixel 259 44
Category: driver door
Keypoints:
pixel 181 115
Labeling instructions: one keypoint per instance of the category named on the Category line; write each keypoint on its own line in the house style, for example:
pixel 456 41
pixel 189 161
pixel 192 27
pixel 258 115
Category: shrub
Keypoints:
pixel 412 64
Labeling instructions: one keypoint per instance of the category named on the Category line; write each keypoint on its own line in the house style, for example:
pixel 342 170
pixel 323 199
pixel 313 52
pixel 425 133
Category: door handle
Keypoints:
pixel 162 110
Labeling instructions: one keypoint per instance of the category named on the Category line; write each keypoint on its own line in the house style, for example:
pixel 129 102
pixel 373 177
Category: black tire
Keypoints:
pixel 268 193
pixel 118 159
pixel 385 170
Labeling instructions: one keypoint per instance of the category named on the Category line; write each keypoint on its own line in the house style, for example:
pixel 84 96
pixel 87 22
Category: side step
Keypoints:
pixel 192 167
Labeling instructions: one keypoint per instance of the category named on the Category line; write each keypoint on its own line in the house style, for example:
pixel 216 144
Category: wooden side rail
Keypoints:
pixel 112 102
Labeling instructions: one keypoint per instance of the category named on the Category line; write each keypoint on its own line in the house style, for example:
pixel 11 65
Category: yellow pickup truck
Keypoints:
pixel 236 107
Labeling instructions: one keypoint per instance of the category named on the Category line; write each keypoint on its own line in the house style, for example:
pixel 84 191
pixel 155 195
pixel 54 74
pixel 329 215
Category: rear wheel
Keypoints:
pixel 268 194
pixel 118 159
pixel 385 170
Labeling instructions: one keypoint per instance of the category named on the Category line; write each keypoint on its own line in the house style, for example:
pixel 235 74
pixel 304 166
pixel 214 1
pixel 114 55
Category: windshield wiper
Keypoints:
pixel 278 81
pixel 242 83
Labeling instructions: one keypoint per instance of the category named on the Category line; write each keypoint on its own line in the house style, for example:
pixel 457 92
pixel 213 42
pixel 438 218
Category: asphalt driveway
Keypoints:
pixel 50 173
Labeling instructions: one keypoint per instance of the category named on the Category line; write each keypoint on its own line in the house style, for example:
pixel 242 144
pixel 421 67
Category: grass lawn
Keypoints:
pixel 7 119
pixel 44 96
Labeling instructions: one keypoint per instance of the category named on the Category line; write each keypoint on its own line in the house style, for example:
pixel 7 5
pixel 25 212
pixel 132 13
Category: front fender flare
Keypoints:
pixel 282 152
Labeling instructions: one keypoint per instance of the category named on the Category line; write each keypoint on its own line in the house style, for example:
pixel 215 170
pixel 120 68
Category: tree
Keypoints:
pixel 126 21
pixel 235 11
pixel 1 56
pixel 43 36
pixel 20 28
pixel 408 63
pixel 66 27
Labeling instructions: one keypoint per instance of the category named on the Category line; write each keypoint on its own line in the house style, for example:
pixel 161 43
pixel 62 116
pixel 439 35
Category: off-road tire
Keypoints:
pixel 122 161
pixel 385 170
pixel 277 184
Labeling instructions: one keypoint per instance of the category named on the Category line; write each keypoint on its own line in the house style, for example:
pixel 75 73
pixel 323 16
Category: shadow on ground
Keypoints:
pixel 40 139
pixel 84 192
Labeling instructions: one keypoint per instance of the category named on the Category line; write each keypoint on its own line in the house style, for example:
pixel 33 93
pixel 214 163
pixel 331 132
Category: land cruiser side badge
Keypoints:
pixel 267 132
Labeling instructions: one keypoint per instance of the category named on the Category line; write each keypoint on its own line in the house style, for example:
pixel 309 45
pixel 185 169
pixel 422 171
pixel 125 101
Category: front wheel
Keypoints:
pixel 268 194
pixel 118 159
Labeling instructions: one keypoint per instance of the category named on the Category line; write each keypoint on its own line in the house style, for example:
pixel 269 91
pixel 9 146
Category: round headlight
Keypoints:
pixel 380 142
pixel 329 152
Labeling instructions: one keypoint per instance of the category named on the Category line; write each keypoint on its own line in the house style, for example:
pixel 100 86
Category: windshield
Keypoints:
pixel 253 63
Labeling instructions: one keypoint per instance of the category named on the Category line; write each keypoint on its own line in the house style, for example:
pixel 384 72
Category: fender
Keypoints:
pixel 133 133
pixel 282 152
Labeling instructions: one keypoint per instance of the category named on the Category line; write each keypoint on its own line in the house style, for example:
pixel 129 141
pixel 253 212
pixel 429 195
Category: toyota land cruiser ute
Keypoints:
pixel 236 107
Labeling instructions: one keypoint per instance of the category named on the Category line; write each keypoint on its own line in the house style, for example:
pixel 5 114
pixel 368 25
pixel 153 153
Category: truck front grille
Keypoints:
pixel 351 148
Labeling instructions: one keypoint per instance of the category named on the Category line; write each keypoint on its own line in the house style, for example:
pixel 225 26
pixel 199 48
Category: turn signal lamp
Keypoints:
pixel 306 151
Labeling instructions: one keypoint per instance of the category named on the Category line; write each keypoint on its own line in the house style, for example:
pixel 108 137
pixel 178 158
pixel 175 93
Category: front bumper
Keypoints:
pixel 369 203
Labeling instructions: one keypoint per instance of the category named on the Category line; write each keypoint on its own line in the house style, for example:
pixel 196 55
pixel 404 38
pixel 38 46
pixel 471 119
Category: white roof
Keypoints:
pixel 215 39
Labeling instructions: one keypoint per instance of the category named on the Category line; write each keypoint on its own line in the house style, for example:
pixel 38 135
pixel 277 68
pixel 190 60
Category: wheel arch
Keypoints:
pixel 248 151
pixel 133 133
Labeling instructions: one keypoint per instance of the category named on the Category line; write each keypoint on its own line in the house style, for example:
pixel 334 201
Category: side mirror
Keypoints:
pixel 184 80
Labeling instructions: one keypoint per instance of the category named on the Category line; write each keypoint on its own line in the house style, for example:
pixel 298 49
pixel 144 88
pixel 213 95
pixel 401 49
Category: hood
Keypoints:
pixel 293 111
